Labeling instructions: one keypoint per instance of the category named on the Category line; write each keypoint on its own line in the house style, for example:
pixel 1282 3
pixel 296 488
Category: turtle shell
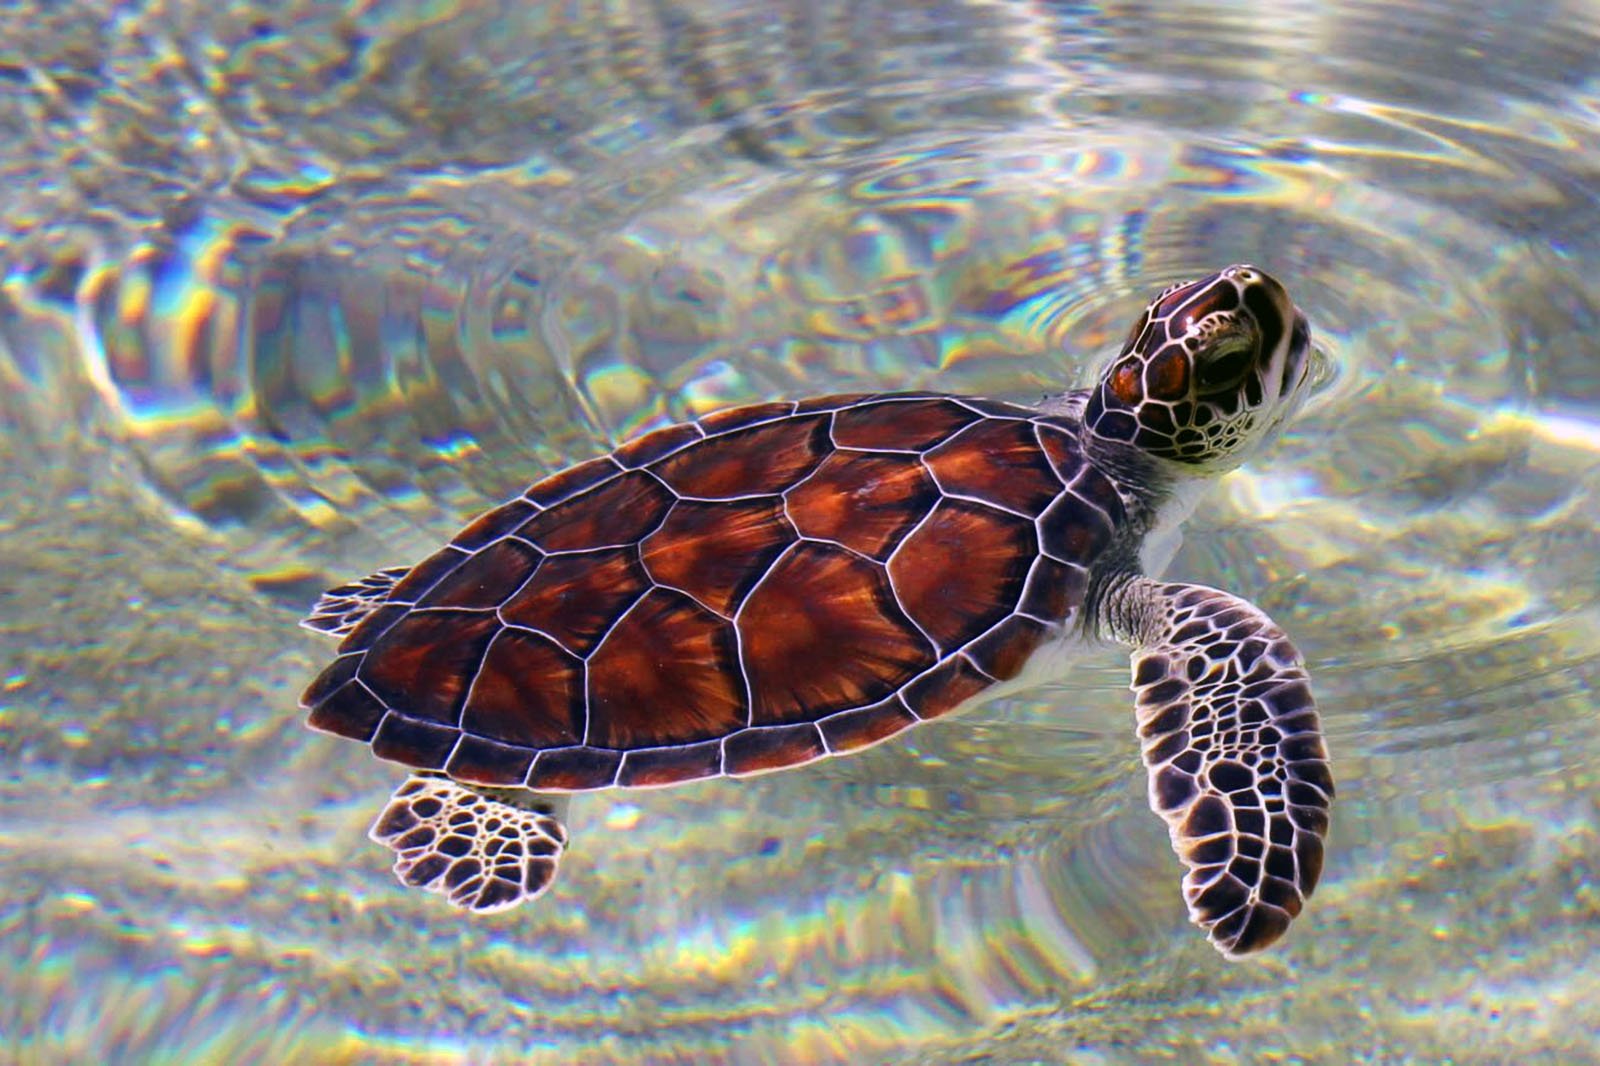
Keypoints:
pixel 755 590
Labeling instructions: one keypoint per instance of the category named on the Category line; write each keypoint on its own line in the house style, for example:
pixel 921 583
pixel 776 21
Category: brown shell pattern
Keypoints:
pixel 756 590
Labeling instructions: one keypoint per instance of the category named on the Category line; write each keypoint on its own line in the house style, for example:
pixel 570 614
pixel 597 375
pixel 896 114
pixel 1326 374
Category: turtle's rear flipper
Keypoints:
pixel 481 853
pixel 1237 766
pixel 339 610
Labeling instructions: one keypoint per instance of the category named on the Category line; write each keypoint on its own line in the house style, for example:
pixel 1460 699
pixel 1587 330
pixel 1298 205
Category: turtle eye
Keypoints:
pixel 1223 369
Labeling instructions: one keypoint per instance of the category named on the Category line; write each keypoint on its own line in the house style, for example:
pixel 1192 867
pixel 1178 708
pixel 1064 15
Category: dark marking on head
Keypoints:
pixel 1124 383
pixel 1167 377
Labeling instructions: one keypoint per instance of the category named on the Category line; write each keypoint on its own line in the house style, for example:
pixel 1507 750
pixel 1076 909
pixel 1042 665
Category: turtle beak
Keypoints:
pixel 1297 363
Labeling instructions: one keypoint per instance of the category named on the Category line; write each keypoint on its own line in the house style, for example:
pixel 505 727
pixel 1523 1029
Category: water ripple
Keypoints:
pixel 286 295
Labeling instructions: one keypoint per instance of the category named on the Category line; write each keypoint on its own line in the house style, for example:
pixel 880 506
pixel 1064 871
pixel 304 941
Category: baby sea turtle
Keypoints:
pixel 777 583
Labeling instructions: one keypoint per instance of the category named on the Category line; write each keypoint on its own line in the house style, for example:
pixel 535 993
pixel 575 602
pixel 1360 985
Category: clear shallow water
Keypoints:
pixel 289 294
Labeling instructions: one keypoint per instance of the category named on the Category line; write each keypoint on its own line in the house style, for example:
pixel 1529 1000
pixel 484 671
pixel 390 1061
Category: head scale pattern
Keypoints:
pixel 1209 368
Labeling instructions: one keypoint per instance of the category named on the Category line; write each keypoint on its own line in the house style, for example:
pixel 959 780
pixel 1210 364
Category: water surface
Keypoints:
pixel 287 293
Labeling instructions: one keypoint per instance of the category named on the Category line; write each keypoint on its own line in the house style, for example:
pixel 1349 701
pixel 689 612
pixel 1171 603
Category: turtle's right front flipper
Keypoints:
pixel 1231 740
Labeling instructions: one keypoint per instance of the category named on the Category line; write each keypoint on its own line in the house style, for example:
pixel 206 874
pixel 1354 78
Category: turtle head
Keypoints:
pixel 1209 370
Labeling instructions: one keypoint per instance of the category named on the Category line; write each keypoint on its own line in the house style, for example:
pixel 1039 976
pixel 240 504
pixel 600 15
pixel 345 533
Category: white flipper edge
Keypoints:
pixel 340 610
pixel 1233 746
pixel 480 853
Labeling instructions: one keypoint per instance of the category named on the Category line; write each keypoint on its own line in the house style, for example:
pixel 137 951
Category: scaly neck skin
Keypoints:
pixel 1145 483
pixel 1157 496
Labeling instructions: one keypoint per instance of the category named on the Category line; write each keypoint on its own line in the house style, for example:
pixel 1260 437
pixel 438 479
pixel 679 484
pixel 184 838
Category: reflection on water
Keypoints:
pixel 289 292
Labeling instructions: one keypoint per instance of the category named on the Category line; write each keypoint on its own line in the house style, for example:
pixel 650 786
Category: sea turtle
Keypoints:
pixel 781 582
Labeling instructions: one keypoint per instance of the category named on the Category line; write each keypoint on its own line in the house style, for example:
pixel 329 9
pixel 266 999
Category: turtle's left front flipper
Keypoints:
pixel 1231 740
